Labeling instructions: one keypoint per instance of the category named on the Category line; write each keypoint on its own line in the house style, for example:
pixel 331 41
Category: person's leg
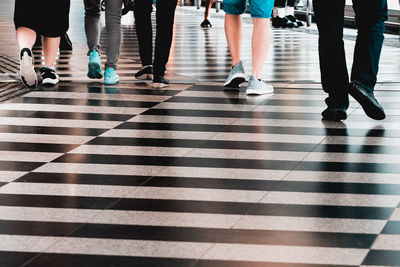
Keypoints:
pixel 260 11
pixel 25 26
pixel 144 31
pixel 26 38
pixel 206 23
pixel 280 7
pixel 233 32
pixel 165 15
pixel 370 23
pixel 334 75
pixel 113 26
pixel 50 48
pixel 92 30
pixel 260 43
pixel 207 10
pixel 92 24
pixel 25 23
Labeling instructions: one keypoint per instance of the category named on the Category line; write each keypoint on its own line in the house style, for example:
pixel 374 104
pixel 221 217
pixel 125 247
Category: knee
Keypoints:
pixel 113 18
pixel 371 25
pixel 372 19
pixel 330 41
pixel 330 31
pixel 261 22
pixel 92 12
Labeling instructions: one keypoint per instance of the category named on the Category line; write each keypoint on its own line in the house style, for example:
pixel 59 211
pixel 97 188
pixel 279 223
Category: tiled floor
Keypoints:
pixel 197 175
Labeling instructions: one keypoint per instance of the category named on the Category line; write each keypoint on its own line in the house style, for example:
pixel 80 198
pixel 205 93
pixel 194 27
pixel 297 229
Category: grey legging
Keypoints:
pixel 113 26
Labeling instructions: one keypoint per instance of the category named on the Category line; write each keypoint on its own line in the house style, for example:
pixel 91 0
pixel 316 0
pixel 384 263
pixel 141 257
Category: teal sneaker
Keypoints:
pixel 94 65
pixel 111 76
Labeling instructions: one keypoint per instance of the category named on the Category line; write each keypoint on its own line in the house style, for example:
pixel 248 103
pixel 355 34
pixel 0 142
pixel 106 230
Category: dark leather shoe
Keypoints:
pixel 284 22
pixel 367 101
pixel 206 24
pixel 297 22
pixel 331 114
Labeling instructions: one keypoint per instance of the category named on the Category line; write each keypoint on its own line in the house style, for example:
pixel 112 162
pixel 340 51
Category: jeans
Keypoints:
pixel 370 16
pixel 165 20
pixel 113 27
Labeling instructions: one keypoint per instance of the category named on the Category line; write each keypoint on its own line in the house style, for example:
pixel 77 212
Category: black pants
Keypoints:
pixel 46 17
pixel 165 20
pixel 282 3
pixel 370 17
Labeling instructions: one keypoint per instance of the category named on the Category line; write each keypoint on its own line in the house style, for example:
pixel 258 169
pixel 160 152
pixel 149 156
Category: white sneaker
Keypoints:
pixel 28 75
pixel 257 87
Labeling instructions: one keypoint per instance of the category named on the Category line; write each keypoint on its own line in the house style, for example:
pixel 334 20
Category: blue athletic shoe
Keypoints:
pixel 111 76
pixel 94 65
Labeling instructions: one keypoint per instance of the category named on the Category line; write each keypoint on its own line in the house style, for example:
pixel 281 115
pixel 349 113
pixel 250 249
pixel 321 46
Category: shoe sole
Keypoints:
pixel 49 82
pixel 111 83
pixel 236 80
pixel 160 85
pixel 335 118
pixel 369 108
pixel 28 75
pixel 94 71
pixel 145 77
pixel 257 92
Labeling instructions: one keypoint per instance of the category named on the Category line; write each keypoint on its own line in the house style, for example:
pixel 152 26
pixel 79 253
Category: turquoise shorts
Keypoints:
pixel 258 8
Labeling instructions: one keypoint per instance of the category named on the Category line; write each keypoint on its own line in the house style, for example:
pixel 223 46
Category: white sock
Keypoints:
pixel 289 10
pixel 281 12
pixel 275 12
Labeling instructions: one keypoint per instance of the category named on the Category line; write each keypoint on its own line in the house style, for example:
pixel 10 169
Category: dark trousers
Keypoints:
pixel 165 14
pixel 370 16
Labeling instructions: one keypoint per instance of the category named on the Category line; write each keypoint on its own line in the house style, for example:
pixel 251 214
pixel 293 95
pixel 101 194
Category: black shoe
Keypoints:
pixel 27 71
pixel 367 101
pixel 50 77
pixel 146 73
pixel 160 81
pixel 331 114
pixel 206 24
pixel 129 7
pixel 284 22
pixel 295 20
pixel 65 43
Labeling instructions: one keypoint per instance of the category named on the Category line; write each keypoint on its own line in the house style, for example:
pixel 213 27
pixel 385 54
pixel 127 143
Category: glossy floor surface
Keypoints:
pixel 194 174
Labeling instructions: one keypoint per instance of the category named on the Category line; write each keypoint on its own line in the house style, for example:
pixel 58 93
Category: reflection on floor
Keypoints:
pixel 196 175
